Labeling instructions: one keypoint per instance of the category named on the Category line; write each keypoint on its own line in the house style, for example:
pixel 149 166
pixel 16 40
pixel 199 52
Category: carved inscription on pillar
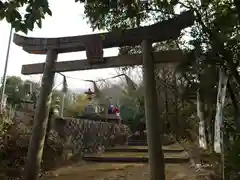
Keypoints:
pixel 94 50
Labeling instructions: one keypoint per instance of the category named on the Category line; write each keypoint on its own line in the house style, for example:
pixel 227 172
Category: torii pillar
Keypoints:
pixel 153 123
pixel 36 143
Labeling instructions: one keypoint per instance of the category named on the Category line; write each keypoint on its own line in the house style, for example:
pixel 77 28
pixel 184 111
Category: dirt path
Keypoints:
pixel 107 171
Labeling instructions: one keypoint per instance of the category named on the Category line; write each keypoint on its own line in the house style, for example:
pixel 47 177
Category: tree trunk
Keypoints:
pixel 206 128
pixel 211 126
pixel 177 124
pixel 200 114
pixel 235 105
pixel 154 124
pixel 237 4
pixel 36 144
pixel 219 111
pixel 170 125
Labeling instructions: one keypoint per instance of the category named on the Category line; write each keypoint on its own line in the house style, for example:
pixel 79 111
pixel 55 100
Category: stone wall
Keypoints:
pixel 85 136
pixel 80 135
pixel 68 138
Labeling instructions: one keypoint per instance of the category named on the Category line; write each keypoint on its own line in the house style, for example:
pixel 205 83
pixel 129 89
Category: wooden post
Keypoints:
pixel 156 158
pixel 35 149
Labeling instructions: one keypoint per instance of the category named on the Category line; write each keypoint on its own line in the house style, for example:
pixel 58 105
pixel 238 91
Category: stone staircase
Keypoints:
pixel 137 152
pixel 127 162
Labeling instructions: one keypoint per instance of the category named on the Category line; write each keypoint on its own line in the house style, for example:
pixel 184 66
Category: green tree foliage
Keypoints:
pixel 17 89
pixel 76 107
pixel 132 108
pixel 125 14
pixel 24 14
pixel 216 27
pixel 14 90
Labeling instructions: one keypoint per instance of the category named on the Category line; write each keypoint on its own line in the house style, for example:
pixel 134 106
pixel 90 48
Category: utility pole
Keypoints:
pixel 5 70
pixel 62 103
pixel 64 91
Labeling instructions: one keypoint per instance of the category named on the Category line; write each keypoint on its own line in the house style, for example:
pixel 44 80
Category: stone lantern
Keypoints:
pixel 90 94
pixel 89 109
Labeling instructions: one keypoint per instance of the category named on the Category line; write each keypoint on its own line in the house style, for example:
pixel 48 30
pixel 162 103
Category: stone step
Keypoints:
pixel 144 143
pixel 166 149
pixel 123 157
pixel 132 160
pixel 140 140
pixel 137 143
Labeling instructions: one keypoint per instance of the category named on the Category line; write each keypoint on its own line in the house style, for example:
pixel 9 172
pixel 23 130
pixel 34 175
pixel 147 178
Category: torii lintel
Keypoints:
pixel 161 31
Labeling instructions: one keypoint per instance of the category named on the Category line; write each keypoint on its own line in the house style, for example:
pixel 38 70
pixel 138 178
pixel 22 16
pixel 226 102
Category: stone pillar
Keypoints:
pixel 35 149
pixel 153 124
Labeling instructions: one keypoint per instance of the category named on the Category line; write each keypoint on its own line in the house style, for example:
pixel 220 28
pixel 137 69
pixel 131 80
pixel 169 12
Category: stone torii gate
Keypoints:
pixel 94 44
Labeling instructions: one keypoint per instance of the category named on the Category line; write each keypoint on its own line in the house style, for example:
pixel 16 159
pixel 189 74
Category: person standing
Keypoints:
pixel 116 110
pixel 111 109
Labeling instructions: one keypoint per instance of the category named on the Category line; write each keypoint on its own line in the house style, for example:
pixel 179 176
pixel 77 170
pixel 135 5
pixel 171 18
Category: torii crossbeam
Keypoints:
pixel 94 44
pixel 174 56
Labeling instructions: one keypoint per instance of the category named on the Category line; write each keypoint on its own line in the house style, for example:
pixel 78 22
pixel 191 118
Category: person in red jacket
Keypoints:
pixel 116 110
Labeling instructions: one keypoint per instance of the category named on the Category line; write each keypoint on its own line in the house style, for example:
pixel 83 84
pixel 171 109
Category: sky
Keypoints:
pixel 67 20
